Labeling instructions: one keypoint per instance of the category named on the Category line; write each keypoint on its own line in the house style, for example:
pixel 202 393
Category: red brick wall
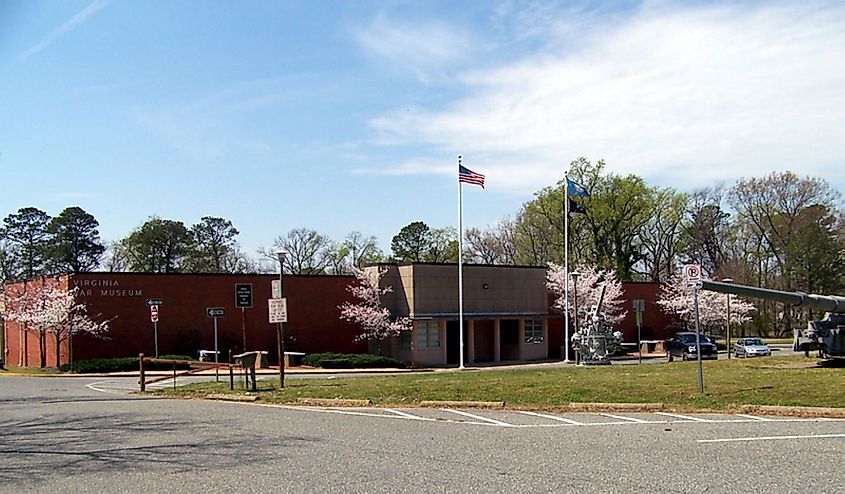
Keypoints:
pixel 313 317
pixel 24 346
pixel 655 321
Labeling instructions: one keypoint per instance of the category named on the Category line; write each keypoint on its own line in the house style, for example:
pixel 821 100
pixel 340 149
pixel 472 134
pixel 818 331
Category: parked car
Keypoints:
pixel 751 347
pixel 683 346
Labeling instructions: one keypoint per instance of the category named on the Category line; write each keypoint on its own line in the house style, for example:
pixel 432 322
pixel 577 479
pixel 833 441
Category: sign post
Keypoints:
pixel 692 273
pixel 243 301
pixel 214 313
pixel 154 320
pixel 639 307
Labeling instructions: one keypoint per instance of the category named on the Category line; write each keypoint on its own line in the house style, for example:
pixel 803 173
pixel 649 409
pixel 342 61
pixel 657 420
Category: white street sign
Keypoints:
pixel 278 310
pixel 277 288
pixel 153 313
pixel 692 272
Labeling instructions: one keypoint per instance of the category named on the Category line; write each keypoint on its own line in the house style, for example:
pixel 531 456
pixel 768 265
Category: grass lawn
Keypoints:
pixel 727 384
pixel 33 371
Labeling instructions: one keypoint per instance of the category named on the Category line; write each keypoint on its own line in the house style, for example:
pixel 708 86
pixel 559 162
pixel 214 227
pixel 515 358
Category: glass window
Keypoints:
pixel 428 334
pixel 533 331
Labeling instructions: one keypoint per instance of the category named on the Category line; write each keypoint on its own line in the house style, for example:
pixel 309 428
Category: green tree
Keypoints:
pixel 74 243
pixel 661 235
pixel 412 243
pixel 795 223
pixel 706 232
pixel 442 245
pixel 609 233
pixel 213 246
pixel 9 262
pixel 26 231
pixel 157 246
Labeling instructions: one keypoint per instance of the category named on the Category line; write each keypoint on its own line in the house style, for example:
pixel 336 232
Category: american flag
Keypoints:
pixel 468 176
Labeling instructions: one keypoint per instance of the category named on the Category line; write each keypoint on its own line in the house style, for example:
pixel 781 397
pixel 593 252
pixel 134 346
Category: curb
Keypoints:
pixel 615 407
pixel 333 402
pixel 462 404
pixel 222 397
pixel 790 411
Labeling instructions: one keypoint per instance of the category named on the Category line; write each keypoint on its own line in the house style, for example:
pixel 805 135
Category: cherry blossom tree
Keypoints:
pixel 590 281
pixel 52 310
pixel 675 298
pixel 373 318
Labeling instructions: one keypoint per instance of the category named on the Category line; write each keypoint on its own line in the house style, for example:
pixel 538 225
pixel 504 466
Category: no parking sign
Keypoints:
pixel 692 273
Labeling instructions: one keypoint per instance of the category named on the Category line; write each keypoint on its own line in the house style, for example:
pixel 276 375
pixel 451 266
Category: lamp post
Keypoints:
pixel 280 336
pixel 728 320
pixel 574 275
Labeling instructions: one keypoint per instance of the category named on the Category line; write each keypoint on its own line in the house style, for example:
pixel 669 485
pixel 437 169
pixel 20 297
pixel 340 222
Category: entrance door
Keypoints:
pixel 453 343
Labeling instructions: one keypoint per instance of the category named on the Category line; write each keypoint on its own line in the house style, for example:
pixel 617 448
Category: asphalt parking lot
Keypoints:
pixel 62 435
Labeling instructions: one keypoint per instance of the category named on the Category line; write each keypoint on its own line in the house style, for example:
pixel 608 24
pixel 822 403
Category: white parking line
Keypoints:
pixel 632 419
pixel 408 415
pixel 768 438
pixel 762 419
pixel 684 417
pixel 478 417
pixel 552 417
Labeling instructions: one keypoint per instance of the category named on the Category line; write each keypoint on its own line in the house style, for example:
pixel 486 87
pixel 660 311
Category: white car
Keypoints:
pixel 751 347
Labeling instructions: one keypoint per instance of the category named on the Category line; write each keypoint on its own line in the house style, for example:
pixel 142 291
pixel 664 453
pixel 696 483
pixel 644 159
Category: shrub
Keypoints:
pixel 102 365
pixel 120 364
pixel 331 360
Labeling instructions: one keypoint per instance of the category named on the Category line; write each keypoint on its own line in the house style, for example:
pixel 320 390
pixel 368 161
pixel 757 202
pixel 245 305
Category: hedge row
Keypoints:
pixel 351 361
pixel 120 364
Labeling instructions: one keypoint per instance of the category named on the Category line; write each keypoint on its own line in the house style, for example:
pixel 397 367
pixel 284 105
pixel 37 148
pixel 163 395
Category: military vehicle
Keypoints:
pixel 825 336
pixel 596 341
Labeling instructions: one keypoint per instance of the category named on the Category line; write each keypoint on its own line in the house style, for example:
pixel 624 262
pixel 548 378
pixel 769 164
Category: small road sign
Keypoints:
pixel 243 295
pixel 215 311
pixel 278 310
pixel 276 286
pixel 153 313
pixel 155 301
pixel 692 272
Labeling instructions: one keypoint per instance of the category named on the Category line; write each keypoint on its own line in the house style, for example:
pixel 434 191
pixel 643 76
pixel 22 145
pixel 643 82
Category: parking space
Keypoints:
pixel 528 419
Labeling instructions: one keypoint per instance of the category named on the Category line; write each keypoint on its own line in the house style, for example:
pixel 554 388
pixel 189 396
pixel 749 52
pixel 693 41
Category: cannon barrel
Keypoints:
pixel 826 303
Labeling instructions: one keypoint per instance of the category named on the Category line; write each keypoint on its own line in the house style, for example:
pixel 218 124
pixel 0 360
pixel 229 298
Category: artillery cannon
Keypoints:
pixel 827 335
pixel 596 341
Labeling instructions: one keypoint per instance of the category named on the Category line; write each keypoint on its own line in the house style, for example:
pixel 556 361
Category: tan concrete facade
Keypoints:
pixel 505 312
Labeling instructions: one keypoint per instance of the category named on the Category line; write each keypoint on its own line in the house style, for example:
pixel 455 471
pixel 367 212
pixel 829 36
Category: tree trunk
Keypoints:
pixel 58 350
pixel 42 347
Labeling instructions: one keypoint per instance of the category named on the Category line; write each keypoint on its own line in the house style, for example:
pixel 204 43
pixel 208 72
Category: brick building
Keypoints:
pixel 507 315
pixel 184 327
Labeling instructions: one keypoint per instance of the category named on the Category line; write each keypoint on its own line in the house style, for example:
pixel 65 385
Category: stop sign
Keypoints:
pixel 153 313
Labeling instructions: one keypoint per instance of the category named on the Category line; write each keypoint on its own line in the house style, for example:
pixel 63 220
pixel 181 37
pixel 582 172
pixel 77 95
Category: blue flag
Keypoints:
pixel 575 189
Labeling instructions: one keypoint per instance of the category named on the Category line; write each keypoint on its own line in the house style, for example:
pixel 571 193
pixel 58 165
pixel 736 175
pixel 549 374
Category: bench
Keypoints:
pixel 293 359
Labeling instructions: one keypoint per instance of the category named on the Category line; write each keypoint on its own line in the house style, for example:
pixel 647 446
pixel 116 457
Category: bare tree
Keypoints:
pixel 309 252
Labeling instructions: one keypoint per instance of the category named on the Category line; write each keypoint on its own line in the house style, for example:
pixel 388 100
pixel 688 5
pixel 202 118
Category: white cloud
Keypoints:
pixel 693 95
pixel 421 48
pixel 77 20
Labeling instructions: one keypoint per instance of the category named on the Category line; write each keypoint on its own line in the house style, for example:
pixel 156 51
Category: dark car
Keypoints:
pixel 683 346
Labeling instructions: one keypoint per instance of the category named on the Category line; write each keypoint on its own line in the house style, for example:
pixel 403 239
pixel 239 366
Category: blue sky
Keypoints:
pixel 342 116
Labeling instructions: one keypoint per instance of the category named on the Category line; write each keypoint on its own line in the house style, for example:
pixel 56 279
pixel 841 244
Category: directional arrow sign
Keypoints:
pixel 215 311
pixel 155 301
pixel 153 313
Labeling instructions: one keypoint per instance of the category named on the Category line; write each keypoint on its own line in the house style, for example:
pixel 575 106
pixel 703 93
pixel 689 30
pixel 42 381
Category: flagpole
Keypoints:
pixel 566 267
pixel 460 267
